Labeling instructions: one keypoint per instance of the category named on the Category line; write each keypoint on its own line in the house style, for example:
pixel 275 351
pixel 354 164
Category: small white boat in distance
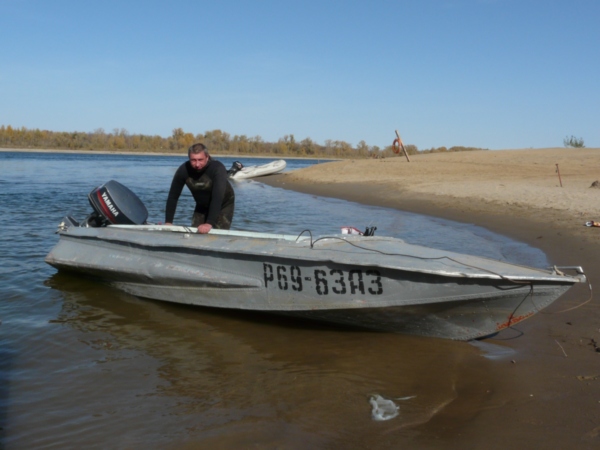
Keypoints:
pixel 240 172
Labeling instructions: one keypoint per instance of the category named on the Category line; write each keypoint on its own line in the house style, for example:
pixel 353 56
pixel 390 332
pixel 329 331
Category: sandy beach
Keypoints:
pixel 548 391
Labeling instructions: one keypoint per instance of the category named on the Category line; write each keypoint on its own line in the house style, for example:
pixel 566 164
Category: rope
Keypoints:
pixel 530 283
pixel 312 243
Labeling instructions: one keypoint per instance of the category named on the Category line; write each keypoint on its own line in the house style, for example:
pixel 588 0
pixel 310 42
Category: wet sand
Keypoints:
pixel 548 391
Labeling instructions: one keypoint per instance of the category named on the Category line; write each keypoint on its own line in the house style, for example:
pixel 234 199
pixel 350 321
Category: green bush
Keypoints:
pixel 573 142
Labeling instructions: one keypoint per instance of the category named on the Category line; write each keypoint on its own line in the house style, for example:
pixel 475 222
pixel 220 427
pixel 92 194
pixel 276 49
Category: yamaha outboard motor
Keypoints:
pixel 235 168
pixel 113 203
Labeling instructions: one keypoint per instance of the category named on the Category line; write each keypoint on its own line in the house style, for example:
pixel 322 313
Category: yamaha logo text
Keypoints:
pixel 110 205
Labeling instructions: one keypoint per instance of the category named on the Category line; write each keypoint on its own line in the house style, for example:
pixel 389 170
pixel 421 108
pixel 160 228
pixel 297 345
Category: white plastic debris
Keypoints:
pixel 383 409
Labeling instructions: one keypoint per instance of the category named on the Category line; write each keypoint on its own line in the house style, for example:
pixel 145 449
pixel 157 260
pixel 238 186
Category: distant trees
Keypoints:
pixel 218 142
pixel 181 140
pixel 573 142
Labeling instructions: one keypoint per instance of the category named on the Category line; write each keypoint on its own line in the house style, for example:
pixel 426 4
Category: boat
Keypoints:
pixel 240 172
pixel 363 280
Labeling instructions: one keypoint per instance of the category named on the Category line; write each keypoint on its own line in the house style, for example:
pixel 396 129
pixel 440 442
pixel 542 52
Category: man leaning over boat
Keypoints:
pixel 208 182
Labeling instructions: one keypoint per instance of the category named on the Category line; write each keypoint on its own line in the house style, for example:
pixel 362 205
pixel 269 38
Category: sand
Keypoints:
pixel 548 392
pixel 524 182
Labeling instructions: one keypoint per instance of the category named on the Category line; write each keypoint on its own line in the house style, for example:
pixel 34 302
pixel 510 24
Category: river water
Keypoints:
pixel 85 365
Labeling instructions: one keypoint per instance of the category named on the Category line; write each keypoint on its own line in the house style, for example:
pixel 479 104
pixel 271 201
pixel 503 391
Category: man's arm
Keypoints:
pixel 174 193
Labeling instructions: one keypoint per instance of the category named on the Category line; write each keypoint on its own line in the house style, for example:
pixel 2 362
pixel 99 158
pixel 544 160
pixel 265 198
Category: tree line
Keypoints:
pixel 217 141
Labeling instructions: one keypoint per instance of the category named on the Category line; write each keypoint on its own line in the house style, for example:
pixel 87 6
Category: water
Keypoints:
pixel 85 365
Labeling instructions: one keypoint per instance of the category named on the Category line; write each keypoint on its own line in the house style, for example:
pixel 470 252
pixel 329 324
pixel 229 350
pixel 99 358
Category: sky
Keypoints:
pixel 496 74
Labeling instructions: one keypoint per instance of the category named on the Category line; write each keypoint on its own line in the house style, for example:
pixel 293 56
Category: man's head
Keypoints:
pixel 199 156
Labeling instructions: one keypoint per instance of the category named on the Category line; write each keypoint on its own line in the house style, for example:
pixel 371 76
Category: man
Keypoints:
pixel 208 182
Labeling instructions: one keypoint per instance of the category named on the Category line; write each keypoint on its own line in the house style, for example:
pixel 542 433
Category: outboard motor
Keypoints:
pixel 235 168
pixel 113 203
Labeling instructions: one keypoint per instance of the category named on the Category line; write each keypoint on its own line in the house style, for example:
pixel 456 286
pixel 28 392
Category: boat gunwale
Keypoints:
pixel 544 276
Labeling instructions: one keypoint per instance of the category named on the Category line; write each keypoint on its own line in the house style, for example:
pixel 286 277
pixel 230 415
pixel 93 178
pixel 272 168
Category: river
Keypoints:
pixel 85 365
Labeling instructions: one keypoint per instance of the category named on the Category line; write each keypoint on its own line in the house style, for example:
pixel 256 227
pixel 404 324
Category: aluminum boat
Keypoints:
pixel 374 282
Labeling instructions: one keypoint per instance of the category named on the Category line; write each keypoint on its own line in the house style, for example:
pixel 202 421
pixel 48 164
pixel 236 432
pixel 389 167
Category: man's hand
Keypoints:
pixel 204 228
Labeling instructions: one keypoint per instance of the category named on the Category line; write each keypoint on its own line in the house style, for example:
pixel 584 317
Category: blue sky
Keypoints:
pixel 484 73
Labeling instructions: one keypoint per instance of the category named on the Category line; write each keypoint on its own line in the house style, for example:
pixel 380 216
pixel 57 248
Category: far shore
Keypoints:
pixel 183 153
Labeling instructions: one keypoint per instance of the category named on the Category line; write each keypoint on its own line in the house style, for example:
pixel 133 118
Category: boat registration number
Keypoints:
pixel 324 282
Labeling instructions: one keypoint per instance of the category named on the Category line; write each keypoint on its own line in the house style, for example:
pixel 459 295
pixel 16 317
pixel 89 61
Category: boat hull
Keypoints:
pixel 300 278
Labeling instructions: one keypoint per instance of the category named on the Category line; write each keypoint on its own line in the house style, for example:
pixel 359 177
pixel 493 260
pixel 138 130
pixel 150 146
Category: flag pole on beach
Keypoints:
pixel 400 145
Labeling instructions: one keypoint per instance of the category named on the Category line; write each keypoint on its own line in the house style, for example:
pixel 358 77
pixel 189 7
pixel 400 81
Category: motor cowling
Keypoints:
pixel 114 203
pixel 235 168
